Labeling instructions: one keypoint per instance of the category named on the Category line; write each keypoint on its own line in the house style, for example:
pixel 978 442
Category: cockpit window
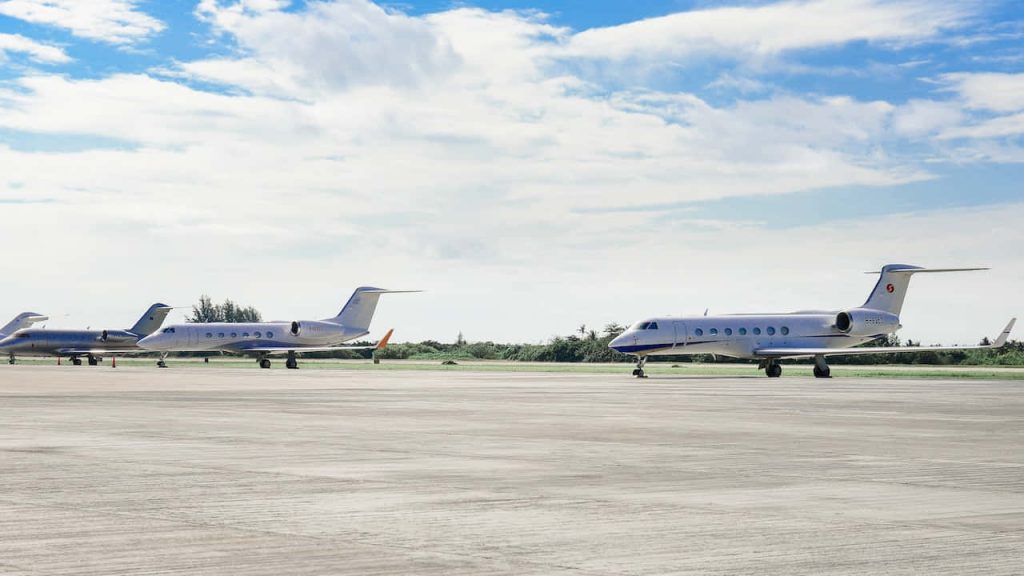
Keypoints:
pixel 24 335
pixel 652 326
pixel 167 331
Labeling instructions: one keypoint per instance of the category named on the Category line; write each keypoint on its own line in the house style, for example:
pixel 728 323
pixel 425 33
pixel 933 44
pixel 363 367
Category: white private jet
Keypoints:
pixel 263 339
pixel 771 337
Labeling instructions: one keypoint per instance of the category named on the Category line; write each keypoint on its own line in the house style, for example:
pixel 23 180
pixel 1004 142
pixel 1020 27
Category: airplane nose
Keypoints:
pixel 617 342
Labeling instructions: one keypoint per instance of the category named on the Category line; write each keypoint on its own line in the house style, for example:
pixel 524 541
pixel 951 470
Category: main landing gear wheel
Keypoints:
pixel 773 370
pixel 76 361
pixel 264 363
pixel 93 360
pixel 821 368
pixel 291 363
pixel 11 359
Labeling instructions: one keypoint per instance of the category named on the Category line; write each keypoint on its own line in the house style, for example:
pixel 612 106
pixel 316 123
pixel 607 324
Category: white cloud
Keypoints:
pixel 330 45
pixel 993 91
pixel 111 21
pixel 769 30
pixel 38 52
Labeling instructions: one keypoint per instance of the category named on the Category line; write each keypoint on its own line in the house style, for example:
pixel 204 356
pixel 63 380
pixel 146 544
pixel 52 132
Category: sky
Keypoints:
pixel 533 166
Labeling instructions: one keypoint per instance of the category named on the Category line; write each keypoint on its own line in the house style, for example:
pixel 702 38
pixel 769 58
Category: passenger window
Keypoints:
pixel 270 334
pixel 698 332
pixel 785 330
pixel 771 330
pixel 209 334
pixel 220 335
pixel 757 331
pixel 728 331
pixel 234 334
pixel 256 334
pixel 714 331
pixel 743 331
pixel 245 334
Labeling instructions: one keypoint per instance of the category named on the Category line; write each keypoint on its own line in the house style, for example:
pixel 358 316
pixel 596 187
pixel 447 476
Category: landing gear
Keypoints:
pixel 821 369
pixel 76 360
pixel 639 370
pixel 773 369
pixel 160 363
pixel 291 363
pixel 11 359
pixel 263 361
pixel 93 361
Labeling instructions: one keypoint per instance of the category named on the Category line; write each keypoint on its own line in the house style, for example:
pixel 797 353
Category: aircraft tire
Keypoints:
pixel 826 373
pixel 264 363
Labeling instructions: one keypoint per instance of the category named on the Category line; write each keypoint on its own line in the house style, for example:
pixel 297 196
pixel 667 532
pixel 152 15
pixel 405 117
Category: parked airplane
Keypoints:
pixel 264 339
pixel 93 344
pixel 23 320
pixel 771 337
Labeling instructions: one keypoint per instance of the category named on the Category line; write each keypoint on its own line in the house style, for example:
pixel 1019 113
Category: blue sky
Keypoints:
pixel 520 147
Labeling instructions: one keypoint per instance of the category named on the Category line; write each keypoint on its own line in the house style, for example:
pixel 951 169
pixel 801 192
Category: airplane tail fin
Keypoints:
pixel 150 321
pixel 893 279
pixel 23 320
pixel 358 311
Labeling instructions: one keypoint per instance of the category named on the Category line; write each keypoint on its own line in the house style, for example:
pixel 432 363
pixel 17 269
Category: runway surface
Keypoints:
pixel 139 470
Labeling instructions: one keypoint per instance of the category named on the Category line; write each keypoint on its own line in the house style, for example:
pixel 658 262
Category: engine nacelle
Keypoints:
pixel 314 330
pixel 866 322
pixel 117 337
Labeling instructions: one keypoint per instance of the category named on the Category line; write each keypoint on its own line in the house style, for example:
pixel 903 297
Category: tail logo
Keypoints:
pixel 890 288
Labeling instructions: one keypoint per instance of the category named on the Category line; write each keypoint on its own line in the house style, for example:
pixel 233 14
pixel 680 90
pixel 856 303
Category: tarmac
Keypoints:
pixel 245 472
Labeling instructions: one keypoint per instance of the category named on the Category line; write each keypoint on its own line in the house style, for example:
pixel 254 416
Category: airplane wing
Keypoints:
pixel 795 352
pixel 279 349
pixel 101 351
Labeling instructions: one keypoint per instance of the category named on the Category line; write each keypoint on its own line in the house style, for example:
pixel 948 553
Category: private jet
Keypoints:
pixel 263 339
pixel 769 338
pixel 75 344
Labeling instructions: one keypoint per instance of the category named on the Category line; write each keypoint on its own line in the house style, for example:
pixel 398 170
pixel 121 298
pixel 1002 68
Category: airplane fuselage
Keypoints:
pixel 740 335
pixel 240 337
pixel 47 342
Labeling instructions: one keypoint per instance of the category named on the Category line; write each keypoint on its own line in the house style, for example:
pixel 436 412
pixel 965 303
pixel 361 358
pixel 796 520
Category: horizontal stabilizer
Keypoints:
pixel 910 270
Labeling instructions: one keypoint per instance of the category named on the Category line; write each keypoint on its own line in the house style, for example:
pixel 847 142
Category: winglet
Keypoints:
pixel 1001 340
pixel 384 341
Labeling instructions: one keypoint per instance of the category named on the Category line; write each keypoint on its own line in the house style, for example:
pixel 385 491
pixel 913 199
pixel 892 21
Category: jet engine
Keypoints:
pixel 314 330
pixel 866 322
pixel 117 337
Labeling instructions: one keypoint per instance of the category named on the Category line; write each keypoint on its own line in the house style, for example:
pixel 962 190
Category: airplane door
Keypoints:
pixel 680 333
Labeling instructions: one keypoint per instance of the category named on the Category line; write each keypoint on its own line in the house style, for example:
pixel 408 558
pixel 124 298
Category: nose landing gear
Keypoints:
pixel 161 363
pixel 639 370
pixel 263 361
